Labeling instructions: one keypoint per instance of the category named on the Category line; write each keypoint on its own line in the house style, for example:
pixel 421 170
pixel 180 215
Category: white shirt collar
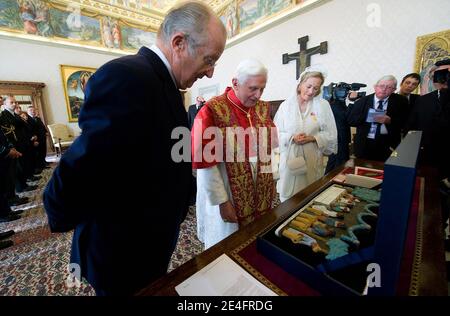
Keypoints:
pixel 161 55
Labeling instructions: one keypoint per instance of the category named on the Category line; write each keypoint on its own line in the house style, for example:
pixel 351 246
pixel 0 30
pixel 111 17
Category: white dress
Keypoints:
pixel 317 121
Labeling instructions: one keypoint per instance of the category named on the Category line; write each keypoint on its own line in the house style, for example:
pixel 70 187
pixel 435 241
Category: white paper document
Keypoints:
pixel 373 113
pixel 223 277
pixel 361 181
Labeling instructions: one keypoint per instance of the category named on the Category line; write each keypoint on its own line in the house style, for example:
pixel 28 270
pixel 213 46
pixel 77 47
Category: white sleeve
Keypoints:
pixel 327 137
pixel 283 134
pixel 212 182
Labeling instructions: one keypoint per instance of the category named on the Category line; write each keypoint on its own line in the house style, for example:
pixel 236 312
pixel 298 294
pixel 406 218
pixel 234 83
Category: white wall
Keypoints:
pixel 32 61
pixel 356 52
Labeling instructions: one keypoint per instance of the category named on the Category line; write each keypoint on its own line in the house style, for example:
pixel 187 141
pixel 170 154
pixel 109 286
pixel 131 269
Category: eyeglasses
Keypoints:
pixel 384 87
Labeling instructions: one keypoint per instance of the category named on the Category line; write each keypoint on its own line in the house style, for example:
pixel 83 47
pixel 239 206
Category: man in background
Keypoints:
pixel 41 132
pixel 378 118
pixel 431 115
pixel 193 110
pixel 409 83
pixel 192 113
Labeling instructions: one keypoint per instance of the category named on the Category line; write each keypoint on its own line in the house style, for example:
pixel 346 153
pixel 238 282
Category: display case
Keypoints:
pixel 346 240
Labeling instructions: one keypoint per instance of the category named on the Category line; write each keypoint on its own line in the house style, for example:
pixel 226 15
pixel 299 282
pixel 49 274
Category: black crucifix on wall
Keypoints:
pixel 303 57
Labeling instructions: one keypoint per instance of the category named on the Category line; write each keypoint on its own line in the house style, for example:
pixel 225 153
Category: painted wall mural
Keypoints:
pixel 133 38
pixel 243 15
pixel 36 19
pixel 123 25
pixel 85 29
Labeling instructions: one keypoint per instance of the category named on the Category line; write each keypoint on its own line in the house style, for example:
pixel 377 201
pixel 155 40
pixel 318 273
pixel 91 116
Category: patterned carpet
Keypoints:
pixel 36 264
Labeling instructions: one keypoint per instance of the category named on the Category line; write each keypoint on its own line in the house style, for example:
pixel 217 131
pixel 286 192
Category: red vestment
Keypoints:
pixel 251 198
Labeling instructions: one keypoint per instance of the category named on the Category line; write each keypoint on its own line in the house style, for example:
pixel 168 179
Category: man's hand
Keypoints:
pixel 228 213
pixel 352 95
pixel 13 153
pixel 382 119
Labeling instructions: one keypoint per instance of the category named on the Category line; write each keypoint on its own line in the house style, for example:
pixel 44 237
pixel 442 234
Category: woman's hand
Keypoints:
pixel 302 138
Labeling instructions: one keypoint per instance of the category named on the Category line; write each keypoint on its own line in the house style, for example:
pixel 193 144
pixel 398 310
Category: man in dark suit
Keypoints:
pixel 431 115
pixel 41 132
pixel 409 83
pixel 378 118
pixel 15 130
pixel 126 230
pixel 7 154
pixel 427 115
pixel 192 113
pixel 193 110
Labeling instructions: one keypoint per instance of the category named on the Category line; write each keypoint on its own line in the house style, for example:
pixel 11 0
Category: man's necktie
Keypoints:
pixel 380 105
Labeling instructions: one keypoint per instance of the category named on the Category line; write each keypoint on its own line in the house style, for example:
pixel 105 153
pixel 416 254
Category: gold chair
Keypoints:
pixel 61 137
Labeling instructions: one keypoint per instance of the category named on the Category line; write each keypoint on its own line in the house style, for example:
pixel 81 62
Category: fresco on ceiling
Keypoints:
pixel 29 16
pixel 252 11
pixel 230 19
pixel 36 18
pixel 111 34
pixel 84 29
pixel 147 4
pixel 160 4
pixel 52 20
pixel 131 4
pixel 133 39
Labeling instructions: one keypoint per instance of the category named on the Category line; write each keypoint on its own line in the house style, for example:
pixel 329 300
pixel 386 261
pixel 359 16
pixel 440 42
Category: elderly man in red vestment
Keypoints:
pixel 233 138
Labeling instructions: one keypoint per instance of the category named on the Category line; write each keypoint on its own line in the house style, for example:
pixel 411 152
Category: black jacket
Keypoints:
pixel 357 115
pixel 192 113
pixel 118 185
pixel 431 115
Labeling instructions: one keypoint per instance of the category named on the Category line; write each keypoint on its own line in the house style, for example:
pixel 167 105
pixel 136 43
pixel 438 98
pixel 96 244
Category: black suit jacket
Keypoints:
pixel 357 115
pixel 192 113
pixel 117 185
pixel 431 115
pixel 15 129
pixel 412 99
pixel 5 146
pixel 40 129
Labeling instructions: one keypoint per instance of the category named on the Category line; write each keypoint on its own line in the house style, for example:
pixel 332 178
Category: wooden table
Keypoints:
pixel 430 279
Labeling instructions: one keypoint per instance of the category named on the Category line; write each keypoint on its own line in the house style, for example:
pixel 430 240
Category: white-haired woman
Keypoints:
pixel 306 129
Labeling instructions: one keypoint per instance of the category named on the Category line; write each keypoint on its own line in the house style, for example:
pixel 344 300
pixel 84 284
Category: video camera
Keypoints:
pixel 339 91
